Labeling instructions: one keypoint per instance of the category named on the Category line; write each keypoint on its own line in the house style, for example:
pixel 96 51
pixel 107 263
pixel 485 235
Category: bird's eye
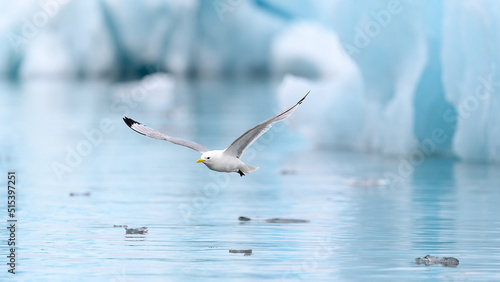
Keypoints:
pixel 208 158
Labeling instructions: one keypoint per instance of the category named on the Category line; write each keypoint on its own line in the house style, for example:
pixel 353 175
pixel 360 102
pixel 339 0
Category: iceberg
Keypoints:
pixel 337 101
pixel 471 77
pixel 355 106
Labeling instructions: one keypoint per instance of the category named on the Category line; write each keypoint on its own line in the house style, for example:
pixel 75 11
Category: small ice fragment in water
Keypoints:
pixel 445 261
pixel 288 172
pixel 276 220
pixel 366 182
pixel 142 230
pixel 86 194
pixel 246 252
pixel 286 220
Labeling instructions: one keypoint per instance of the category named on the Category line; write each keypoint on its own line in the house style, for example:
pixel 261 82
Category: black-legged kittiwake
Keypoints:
pixel 227 160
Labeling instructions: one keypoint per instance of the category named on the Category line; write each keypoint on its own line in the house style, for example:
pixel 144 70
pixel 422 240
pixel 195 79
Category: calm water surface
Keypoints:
pixel 69 138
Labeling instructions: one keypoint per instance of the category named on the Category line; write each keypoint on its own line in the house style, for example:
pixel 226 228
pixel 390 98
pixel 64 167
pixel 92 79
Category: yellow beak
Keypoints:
pixel 200 161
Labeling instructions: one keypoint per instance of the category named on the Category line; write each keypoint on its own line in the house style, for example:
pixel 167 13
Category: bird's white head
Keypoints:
pixel 205 158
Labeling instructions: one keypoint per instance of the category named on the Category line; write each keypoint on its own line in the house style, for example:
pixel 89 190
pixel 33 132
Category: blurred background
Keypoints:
pixel 385 74
pixel 393 155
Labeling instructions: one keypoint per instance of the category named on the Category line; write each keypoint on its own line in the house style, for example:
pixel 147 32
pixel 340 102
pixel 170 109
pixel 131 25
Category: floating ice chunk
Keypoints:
pixel 141 230
pixel 275 220
pixel 74 194
pixel 445 261
pixel 286 220
pixel 288 172
pixel 159 83
pixel 133 231
pixel 366 182
pixel 240 251
pixel 246 252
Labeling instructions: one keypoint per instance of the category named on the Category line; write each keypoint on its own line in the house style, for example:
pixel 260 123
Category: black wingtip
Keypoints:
pixel 300 102
pixel 129 121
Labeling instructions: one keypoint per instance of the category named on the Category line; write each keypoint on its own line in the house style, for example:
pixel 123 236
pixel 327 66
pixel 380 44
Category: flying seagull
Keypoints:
pixel 227 160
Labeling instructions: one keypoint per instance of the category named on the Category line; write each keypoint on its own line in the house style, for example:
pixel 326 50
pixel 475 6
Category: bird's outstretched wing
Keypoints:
pixel 241 143
pixel 149 132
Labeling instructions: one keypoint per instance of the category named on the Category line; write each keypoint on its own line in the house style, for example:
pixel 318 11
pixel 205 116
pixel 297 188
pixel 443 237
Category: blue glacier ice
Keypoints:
pixel 397 77
pixel 427 75
pixel 471 77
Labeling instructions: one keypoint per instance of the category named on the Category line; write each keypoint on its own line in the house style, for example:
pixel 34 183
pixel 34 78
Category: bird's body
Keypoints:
pixel 219 161
pixel 227 160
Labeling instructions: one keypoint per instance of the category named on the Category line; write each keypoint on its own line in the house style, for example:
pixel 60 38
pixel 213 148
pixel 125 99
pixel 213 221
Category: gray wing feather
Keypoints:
pixel 246 139
pixel 149 132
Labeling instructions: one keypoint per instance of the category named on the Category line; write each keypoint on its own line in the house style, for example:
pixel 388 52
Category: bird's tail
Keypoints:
pixel 249 168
